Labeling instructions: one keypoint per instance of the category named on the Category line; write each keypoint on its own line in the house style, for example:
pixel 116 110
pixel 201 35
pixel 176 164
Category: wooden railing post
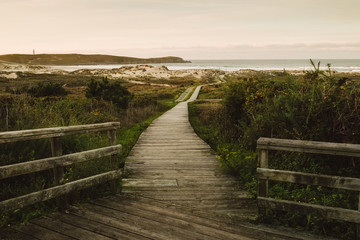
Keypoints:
pixel 263 185
pixel 56 150
pixel 113 159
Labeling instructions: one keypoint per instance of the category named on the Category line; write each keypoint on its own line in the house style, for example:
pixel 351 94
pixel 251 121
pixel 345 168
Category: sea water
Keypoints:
pixel 340 65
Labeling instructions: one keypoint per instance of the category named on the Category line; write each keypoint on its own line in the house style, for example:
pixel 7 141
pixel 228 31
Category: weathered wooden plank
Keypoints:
pixel 310 179
pixel 96 226
pixel 149 182
pixel 186 195
pixel 166 218
pixel 41 233
pixel 148 224
pixel 70 230
pixel 175 173
pixel 305 208
pixel 206 218
pixel 109 220
pixel 56 150
pixel 11 234
pixel 48 163
pixel 50 193
pixel 22 135
pixel 185 165
pixel 341 149
pixel 165 168
pixel 203 189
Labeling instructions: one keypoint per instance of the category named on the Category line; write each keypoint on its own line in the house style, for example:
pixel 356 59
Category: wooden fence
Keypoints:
pixel 265 174
pixel 58 161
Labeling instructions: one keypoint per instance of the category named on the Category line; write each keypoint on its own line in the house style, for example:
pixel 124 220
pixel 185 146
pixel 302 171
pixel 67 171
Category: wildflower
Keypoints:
pixel 342 87
pixel 325 97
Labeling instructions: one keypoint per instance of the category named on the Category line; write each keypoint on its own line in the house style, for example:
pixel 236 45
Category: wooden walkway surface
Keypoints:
pixel 171 163
pixel 174 190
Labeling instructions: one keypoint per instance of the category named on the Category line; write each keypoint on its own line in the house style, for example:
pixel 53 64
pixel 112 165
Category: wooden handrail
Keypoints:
pixel 265 174
pixel 338 182
pixel 59 161
pixel 48 163
pixel 24 135
pixel 53 192
pixel 342 149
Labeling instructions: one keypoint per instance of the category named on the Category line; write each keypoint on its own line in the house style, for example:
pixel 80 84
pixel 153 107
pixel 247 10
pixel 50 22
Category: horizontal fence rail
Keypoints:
pixel 342 149
pixel 265 174
pixel 24 135
pixel 58 161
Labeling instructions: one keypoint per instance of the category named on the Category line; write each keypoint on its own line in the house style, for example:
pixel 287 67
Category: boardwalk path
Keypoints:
pixel 171 163
pixel 174 190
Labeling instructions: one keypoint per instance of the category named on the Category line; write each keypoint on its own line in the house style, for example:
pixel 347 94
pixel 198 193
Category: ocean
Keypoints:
pixel 340 65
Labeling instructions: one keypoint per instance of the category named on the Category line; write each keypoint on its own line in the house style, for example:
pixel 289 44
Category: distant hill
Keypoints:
pixel 81 59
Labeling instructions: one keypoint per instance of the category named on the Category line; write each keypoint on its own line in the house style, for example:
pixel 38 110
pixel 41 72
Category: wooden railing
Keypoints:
pixel 265 174
pixel 58 161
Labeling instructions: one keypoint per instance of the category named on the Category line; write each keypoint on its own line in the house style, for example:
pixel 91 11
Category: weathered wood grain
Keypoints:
pixel 341 149
pixel 41 233
pixel 56 191
pixel 48 163
pixel 317 210
pixel 96 226
pixel 23 135
pixel 310 179
pixel 68 229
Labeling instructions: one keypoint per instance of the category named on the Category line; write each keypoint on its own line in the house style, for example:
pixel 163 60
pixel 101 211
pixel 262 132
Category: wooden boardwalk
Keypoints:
pixel 171 163
pixel 174 190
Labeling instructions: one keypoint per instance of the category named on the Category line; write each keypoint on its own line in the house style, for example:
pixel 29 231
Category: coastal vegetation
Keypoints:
pixel 32 103
pixel 316 105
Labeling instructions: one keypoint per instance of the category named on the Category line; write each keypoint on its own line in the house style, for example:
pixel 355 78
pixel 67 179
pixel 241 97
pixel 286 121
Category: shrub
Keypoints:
pixel 47 89
pixel 318 106
pixel 112 92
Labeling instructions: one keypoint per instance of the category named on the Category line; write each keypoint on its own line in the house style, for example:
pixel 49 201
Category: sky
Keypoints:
pixel 191 29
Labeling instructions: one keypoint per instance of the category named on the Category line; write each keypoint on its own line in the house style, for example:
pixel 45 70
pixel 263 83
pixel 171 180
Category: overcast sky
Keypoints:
pixel 192 29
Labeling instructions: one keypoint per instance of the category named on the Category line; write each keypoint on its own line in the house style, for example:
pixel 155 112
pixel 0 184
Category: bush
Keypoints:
pixel 111 92
pixel 318 106
pixel 47 89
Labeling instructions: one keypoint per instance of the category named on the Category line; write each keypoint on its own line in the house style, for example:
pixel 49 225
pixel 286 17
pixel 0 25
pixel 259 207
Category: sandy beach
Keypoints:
pixel 135 74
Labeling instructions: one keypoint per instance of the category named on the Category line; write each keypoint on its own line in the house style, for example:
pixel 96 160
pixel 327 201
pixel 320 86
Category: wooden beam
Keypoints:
pixel 263 186
pixel 305 208
pixel 56 150
pixel 23 135
pixel 48 163
pixel 341 149
pixel 50 193
pixel 310 179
